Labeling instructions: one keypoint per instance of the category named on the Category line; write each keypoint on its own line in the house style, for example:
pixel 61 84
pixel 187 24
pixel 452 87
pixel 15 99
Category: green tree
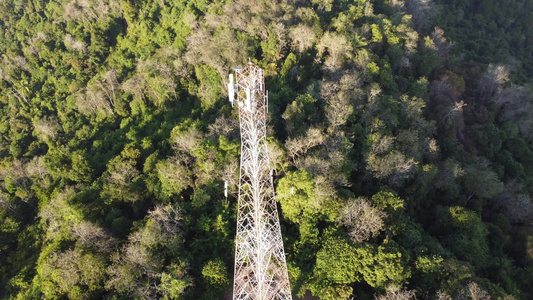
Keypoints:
pixel 466 235
pixel 216 275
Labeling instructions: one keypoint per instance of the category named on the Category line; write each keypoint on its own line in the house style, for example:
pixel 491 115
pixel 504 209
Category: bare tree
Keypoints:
pixel 493 80
pixel 302 36
pixel 338 109
pixel 92 236
pixel 422 12
pixel 338 48
pixel 136 85
pixel 136 270
pixel 110 83
pixel 10 71
pixel 122 175
pixel 59 216
pixel 473 292
pixel 71 42
pixel 362 219
pixel 65 267
pixel 517 104
pixel 118 182
pixel 329 89
pixel 224 126
pixel 78 10
pixel 15 172
pixel 440 91
pixel 324 193
pixel 430 149
pixel 396 293
pixel 299 146
pixel 220 51
pixel 443 296
pixel 395 167
pixel 397 4
pixel 47 128
pixel 130 266
pixel 99 96
pixel 230 174
pixel 20 62
pixel 94 100
pixel 253 18
pixel 481 180
pixel 440 42
pixel 34 45
pixel 362 59
pixel 4 74
pixel 411 43
pixel 316 165
pixel 169 217
pixel 337 151
pixel 91 10
pixel 450 172
pixel 187 141
pixel 5 202
pixel 516 205
pixel 156 77
pixel 350 86
pixel 382 143
pixel 208 168
pixel 326 162
pixel 36 168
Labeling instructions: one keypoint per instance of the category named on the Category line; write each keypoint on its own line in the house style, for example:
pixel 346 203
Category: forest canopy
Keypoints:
pixel 400 136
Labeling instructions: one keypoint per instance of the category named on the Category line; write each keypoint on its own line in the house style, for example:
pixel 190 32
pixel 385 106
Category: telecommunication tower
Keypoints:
pixel 260 265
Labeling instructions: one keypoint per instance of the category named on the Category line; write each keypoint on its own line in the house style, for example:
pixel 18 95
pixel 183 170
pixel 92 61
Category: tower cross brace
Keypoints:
pixel 260 265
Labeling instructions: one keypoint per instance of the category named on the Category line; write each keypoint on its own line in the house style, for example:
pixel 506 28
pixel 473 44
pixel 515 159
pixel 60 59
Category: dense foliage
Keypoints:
pixel 403 129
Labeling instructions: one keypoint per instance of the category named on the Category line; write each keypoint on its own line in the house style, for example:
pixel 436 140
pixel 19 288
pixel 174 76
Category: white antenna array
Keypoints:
pixel 226 189
pixel 231 89
pixel 260 265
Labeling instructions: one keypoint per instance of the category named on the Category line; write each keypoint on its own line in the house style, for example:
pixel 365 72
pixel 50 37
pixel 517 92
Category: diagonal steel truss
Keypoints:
pixel 260 266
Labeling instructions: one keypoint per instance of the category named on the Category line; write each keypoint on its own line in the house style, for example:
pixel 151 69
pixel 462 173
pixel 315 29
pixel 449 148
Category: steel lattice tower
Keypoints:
pixel 260 266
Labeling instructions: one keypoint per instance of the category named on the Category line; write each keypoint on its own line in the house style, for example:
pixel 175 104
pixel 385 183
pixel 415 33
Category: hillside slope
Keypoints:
pixel 404 129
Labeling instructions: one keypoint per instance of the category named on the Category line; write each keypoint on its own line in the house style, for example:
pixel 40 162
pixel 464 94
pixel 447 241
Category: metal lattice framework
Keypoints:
pixel 260 265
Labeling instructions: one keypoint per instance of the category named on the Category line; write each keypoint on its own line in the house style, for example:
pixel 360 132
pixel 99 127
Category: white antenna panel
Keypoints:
pixel 248 100
pixel 231 90
pixel 226 189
